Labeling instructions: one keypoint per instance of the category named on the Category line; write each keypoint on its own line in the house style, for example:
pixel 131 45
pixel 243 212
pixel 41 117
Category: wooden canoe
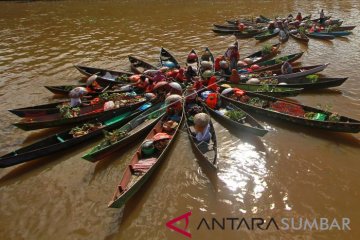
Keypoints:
pixel 105 76
pixel 304 83
pixel 166 56
pixel 300 71
pixel 248 124
pixel 206 152
pixel 276 63
pixel 86 113
pixel 299 37
pixel 65 89
pixel 344 125
pixel 258 56
pixel 320 36
pixel 134 129
pixel 141 168
pixel 274 91
pixel 138 66
pixel 230 27
pixel 211 59
pixel 39 110
pixel 343 28
pixel 248 33
pixel 284 38
pixel 335 33
pixel 194 64
pixel 266 35
pixel 66 140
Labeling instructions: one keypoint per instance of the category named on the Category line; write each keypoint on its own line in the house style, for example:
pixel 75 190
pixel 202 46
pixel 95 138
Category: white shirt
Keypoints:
pixel 205 135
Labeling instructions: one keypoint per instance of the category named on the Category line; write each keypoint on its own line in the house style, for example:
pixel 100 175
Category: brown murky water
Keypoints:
pixel 292 172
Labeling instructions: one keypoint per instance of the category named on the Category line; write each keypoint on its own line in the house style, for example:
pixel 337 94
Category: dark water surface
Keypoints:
pixel 292 172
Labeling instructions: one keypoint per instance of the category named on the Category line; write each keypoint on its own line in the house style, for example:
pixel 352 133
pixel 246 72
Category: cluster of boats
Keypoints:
pixel 136 116
pixel 301 31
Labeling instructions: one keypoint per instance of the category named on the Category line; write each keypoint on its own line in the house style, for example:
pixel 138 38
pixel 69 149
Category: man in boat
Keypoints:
pixel 271 26
pixel 322 17
pixel 142 83
pixel 202 127
pixel 233 55
pixel 299 17
pixel 286 68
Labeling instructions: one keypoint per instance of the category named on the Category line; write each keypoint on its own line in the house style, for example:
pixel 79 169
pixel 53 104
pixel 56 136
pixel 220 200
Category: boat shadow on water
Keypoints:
pixel 336 137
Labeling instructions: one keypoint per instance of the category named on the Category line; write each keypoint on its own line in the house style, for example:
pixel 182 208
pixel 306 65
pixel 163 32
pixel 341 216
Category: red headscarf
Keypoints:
pixel 212 85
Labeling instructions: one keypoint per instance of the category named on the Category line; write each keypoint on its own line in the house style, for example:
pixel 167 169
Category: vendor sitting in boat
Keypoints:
pixel 299 17
pixel 174 107
pixel 202 127
pixel 271 26
pixel 233 55
pixel 286 68
pixel 142 83
pixel 75 96
pixel 92 85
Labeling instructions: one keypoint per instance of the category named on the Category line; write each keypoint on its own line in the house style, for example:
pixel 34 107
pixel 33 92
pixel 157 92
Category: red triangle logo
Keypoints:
pixel 170 224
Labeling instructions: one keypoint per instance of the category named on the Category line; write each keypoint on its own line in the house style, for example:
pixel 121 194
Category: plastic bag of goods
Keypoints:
pixel 109 105
pixel 253 81
pixel 248 61
pixel 242 64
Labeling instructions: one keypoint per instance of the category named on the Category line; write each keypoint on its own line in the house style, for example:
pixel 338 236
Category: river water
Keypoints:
pixel 291 172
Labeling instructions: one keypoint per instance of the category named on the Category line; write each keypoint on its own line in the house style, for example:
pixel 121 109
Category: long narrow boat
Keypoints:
pixel 258 56
pixel 206 152
pixel 304 83
pixel 230 27
pixel 194 63
pixel 300 71
pixel 224 31
pixel 299 37
pixel 85 114
pixel 210 59
pixel 165 56
pixel 248 33
pixel 39 110
pixel 132 131
pixel 266 35
pixel 104 76
pixel 245 123
pixel 335 33
pixel 284 38
pixel 343 28
pixel 138 66
pixel 320 36
pixel 278 62
pixel 65 89
pixel 274 91
pixel 141 167
pixel 296 113
pixel 69 138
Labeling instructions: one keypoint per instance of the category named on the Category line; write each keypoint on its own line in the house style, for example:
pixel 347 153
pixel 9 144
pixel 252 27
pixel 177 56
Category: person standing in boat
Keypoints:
pixel 299 17
pixel 286 68
pixel 322 16
pixel 233 55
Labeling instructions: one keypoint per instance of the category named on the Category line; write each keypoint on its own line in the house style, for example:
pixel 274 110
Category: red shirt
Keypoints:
pixel 212 85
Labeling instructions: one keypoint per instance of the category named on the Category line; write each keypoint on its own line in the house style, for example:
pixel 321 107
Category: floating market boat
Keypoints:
pixel 322 36
pixel 335 33
pixel 138 66
pixel 235 118
pixel 248 33
pixel 142 166
pixel 105 76
pixel 259 56
pixel 194 63
pixel 127 134
pixel 167 59
pixel 266 35
pixel 69 138
pixel 206 152
pixel 71 116
pixel 342 28
pixel 299 37
pixel 277 62
pixel 209 58
pixel 275 91
pixel 304 83
pixel 300 71
pixel 295 113
pixel 64 90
